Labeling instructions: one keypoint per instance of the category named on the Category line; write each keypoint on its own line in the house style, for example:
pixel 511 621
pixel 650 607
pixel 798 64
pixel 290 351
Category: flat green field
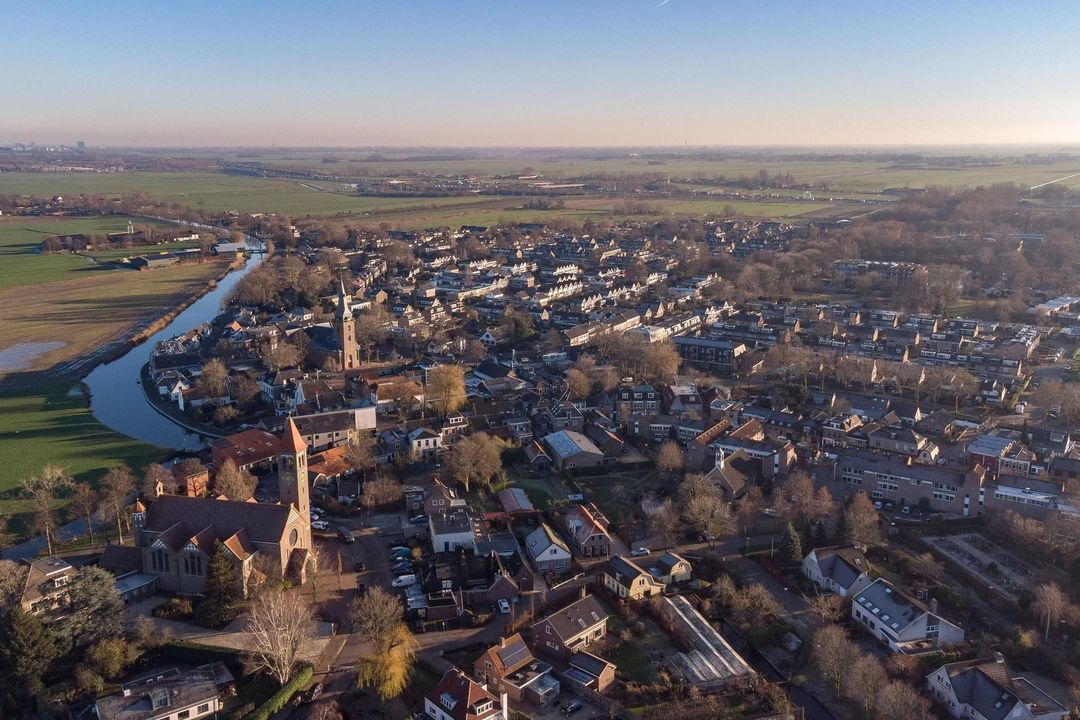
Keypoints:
pixel 22 264
pixel 217 193
pixel 51 424
pixel 870 176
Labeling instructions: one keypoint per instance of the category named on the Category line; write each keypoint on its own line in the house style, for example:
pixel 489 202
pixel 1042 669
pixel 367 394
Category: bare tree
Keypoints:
pixel 1051 604
pixel 381 490
pixel 445 389
pixel 665 521
pixel 829 608
pixel 899 701
pixel 117 485
pixel 833 651
pixel 361 453
pixel 926 566
pixel 377 618
pixel 155 476
pixel 709 514
pixel 42 489
pixel 750 507
pixel 863 524
pixel 669 458
pixel 234 483
pixel 375 614
pixel 863 680
pixel 578 383
pixel 213 378
pixel 280 622
pixel 12 581
pixel 477 457
pixel 84 503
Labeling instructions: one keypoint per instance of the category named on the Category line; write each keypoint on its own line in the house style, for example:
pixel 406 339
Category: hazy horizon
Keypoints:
pixel 563 75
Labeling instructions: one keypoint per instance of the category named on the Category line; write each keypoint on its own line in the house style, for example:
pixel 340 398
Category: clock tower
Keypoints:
pixel 292 471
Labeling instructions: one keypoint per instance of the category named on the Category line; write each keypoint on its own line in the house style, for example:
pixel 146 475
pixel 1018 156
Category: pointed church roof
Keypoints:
pixel 343 309
pixel 139 507
pixel 291 440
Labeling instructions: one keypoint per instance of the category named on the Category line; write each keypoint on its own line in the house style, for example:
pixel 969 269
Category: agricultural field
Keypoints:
pixel 22 264
pixel 855 176
pixel 51 424
pixel 217 193
pixel 71 319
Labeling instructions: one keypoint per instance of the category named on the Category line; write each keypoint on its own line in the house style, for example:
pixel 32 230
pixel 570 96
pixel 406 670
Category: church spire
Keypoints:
pixel 343 309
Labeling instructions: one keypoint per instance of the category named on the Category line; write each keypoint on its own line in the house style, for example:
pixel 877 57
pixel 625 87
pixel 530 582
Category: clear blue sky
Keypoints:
pixel 588 72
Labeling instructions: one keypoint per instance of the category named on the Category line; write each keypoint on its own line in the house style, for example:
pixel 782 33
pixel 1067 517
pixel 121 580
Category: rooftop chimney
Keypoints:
pixel 933 606
pixel 999 658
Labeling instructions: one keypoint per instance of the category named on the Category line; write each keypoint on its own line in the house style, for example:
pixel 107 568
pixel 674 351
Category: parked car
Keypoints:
pixel 402 568
pixel 570 707
pixel 346 535
pixel 359 566
pixel 403 581
pixel 418 520
pixel 504 606
pixel 398 556
pixel 312 693
pixel 320 525
pixel 640 552
pixel 398 548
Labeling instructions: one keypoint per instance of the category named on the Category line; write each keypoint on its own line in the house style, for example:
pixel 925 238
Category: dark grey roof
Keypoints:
pixel 985 686
pixel 888 605
pixel 577 618
pixel 588 663
pixel 624 570
pixel 841 568
pixel 172 692
pixel 264 522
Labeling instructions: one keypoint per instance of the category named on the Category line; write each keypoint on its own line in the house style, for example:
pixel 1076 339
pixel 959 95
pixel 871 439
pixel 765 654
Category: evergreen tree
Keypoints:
pixel 215 609
pixel 820 537
pixel 791 546
pixel 843 529
pixel 26 650
pixel 96 607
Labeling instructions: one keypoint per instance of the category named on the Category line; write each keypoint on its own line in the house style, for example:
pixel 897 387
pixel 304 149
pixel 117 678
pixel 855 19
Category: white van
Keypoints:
pixel 404 581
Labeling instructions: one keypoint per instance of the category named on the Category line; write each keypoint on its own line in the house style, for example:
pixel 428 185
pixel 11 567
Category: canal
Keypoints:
pixel 116 397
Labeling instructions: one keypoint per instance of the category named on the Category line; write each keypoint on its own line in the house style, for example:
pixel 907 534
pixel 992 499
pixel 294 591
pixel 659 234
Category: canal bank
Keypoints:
pixel 113 387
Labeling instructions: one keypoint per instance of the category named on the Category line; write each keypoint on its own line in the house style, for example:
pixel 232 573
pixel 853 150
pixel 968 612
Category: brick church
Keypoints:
pixel 177 533
pixel 337 341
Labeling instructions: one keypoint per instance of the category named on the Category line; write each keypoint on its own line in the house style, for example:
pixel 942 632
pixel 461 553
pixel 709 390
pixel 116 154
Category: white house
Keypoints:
pixel 901 622
pixel 451 529
pixel 547 550
pixel 986 690
pixel 838 570
pixel 458 697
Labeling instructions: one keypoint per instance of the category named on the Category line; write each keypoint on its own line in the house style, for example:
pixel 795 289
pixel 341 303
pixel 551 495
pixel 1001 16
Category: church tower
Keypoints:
pixel 292 470
pixel 345 325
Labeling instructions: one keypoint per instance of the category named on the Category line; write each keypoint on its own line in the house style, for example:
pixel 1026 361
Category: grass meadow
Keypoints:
pixel 51 424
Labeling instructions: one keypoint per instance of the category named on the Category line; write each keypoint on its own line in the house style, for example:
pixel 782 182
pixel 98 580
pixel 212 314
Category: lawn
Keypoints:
pixel 541 489
pixel 614 494
pixel 632 656
pixel 51 424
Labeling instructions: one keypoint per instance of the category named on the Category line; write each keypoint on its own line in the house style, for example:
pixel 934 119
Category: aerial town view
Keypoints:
pixel 636 360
